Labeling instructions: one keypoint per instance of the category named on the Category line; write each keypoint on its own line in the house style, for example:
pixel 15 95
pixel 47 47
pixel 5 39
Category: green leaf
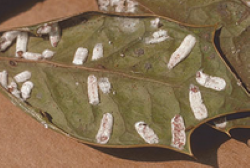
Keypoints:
pixel 199 12
pixel 234 42
pixel 143 88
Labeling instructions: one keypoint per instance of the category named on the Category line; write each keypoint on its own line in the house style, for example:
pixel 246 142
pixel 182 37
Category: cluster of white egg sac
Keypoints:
pixel 157 37
pixel 21 46
pixel 7 39
pixel 212 82
pixel 81 54
pixel 104 86
pixel 178 132
pixel 126 6
pixel 51 29
pixel 182 51
pixel 26 88
pixel 146 132
pixel 198 107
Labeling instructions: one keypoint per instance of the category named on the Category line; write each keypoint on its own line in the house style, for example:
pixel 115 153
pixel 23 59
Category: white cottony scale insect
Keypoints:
pixel 47 54
pixel 127 6
pixel 55 34
pixel 131 6
pixel 105 129
pixel 7 38
pixel 80 56
pixel 221 123
pixel 146 133
pixel 104 85
pixel 158 36
pixel 21 43
pixel 196 103
pixel 45 29
pixel 182 51
pixel 211 82
pixel 155 23
pixel 32 56
pixel 12 88
pixel 23 76
pixel 247 2
pixel 97 52
pixel 26 89
pixel 93 90
pixel 4 78
pixel 178 132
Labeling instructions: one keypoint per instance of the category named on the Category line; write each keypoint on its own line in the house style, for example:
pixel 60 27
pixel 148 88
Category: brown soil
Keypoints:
pixel 26 143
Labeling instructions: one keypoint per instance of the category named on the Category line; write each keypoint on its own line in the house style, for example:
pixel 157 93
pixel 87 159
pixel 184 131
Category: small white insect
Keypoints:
pixel 7 38
pixel 196 103
pixel 97 52
pixel 158 36
pixel 178 132
pixel 4 78
pixel 155 23
pixel 221 123
pixel 120 7
pixel 80 56
pixel 47 54
pixel 12 88
pixel 105 129
pixel 93 90
pixel 55 34
pixel 103 5
pixel 23 76
pixel 46 126
pixel 131 6
pixel 247 2
pixel 21 43
pixel 114 2
pixel 45 29
pixel 211 82
pixel 26 89
pixel 104 85
pixel 182 51
pixel 32 56
pixel 146 133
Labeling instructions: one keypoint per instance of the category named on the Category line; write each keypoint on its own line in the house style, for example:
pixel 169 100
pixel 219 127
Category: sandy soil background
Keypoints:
pixel 26 143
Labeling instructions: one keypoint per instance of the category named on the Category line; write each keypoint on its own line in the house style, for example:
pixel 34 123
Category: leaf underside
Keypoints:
pixel 143 89
pixel 232 15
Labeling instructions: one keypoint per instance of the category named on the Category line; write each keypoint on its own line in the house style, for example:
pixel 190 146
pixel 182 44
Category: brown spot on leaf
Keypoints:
pixel 147 66
pixel 99 66
pixel 13 63
pixel 20 54
pixel 138 52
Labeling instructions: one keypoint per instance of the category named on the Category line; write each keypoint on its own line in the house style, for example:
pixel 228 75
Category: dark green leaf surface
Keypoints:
pixel 235 43
pixel 143 89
